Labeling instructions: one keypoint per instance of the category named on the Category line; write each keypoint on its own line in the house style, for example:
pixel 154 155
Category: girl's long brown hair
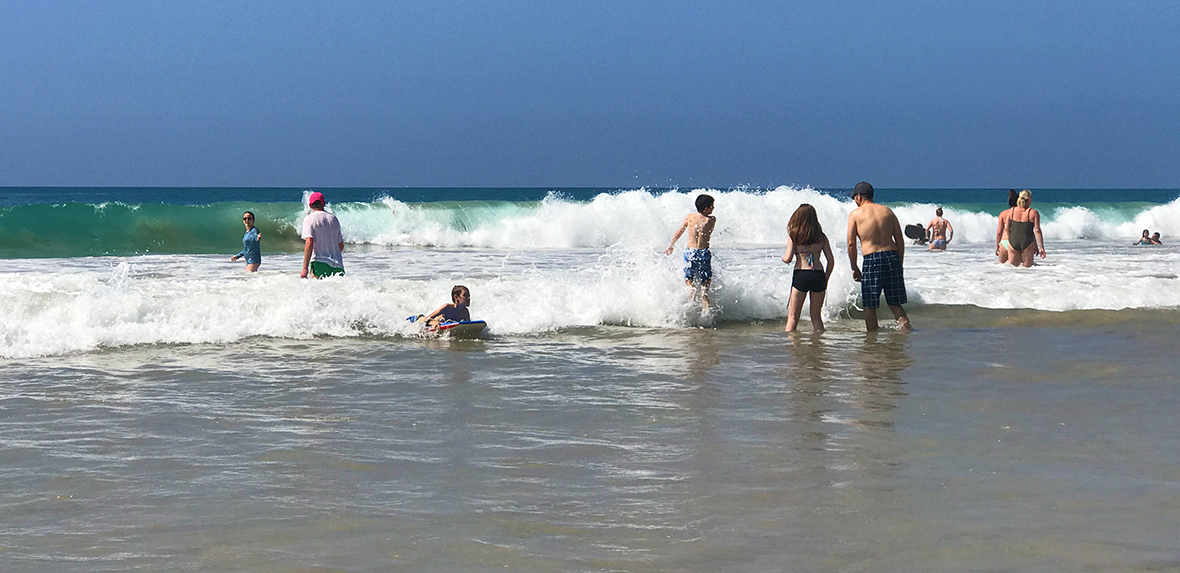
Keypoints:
pixel 804 227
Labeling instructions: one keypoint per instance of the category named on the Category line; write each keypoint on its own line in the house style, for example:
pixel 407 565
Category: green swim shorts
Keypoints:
pixel 321 270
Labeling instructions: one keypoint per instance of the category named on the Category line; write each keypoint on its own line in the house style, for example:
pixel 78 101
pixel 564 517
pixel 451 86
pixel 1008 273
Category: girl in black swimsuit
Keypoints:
pixel 805 241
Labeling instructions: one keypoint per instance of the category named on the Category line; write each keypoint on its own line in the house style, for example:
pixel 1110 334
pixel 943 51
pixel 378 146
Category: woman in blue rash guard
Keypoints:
pixel 251 244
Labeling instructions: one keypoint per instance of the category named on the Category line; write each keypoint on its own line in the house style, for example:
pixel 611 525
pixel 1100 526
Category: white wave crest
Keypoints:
pixel 640 219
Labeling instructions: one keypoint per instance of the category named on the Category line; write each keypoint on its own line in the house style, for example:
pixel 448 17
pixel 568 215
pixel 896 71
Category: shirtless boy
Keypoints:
pixel 883 245
pixel 939 231
pixel 699 272
pixel 455 311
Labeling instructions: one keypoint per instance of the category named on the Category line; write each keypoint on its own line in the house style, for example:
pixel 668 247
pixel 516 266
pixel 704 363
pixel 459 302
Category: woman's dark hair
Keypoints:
pixel 804 227
pixel 1012 196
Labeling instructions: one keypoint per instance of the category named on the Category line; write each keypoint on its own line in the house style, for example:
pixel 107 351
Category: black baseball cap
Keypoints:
pixel 863 188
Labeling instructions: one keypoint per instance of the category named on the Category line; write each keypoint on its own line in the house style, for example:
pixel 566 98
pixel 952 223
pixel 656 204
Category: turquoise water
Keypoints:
pixel 80 222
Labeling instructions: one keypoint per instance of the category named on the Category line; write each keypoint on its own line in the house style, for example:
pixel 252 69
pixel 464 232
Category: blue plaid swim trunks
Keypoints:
pixel 882 271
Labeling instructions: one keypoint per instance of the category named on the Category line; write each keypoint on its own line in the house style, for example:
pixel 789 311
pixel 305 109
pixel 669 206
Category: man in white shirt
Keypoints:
pixel 323 242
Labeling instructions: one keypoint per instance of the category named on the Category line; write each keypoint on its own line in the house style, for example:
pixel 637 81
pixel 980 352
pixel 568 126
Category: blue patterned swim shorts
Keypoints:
pixel 700 265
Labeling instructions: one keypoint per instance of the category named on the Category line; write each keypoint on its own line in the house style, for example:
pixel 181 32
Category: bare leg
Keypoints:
pixel 1014 257
pixel 817 311
pixel 252 267
pixel 1027 256
pixel 871 319
pixel 903 320
pixel 1003 256
pixel 795 309
pixel 700 293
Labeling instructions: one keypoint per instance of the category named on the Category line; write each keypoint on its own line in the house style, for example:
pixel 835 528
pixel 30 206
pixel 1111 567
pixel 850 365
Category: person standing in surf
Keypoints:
pixel 1024 232
pixel 883 245
pixel 251 244
pixel 323 243
pixel 939 232
pixel 698 274
pixel 805 241
pixel 1002 228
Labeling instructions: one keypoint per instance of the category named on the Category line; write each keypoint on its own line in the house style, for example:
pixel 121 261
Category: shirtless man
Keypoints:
pixel 939 231
pixel 699 272
pixel 883 244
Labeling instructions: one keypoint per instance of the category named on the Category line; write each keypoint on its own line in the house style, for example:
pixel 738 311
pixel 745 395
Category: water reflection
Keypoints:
pixel 878 365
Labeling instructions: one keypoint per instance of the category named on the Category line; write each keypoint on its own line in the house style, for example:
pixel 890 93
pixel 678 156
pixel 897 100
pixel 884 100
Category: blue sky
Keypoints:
pixel 825 93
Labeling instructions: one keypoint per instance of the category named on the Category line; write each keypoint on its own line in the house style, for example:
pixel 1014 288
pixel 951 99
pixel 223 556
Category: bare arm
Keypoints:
pixel 950 232
pixel 790 254
pixel 898 239
pixel 437 312
pixel 829 257
pixel 308 246
pixel 1036 220
pixel 676 237
pixel 852 248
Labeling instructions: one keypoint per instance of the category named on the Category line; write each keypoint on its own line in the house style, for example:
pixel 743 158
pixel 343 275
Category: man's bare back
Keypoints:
pixel 937 229
pixel 877 228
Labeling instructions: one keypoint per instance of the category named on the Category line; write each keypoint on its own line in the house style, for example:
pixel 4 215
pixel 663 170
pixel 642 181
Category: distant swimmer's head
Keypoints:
pixel 1012 195
pixel 864 190
pixel 1025 198
pixel 804 227
pixel 938 212
pixel 1155 236
pixel 704 202
pixel 460 292
pixel 315 200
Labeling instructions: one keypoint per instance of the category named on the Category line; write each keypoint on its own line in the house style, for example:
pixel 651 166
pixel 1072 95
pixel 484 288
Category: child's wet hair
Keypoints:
pixel 457 291
pixel 704 202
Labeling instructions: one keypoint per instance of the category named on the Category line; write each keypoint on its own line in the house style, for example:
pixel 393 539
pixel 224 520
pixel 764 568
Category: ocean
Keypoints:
pixel 164 410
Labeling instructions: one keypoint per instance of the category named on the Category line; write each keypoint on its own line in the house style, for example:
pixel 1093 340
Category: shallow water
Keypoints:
pixel 168 412
pixel 982 441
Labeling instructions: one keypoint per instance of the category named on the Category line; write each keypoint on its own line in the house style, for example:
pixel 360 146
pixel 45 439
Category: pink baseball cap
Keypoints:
pixel 315 197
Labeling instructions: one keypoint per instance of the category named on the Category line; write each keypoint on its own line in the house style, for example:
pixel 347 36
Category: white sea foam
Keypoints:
pixel 639 219
pixel 560 264
pixel 77 305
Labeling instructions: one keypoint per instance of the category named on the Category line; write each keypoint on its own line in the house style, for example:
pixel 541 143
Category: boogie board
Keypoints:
pixel 463 329
pixel 916 232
